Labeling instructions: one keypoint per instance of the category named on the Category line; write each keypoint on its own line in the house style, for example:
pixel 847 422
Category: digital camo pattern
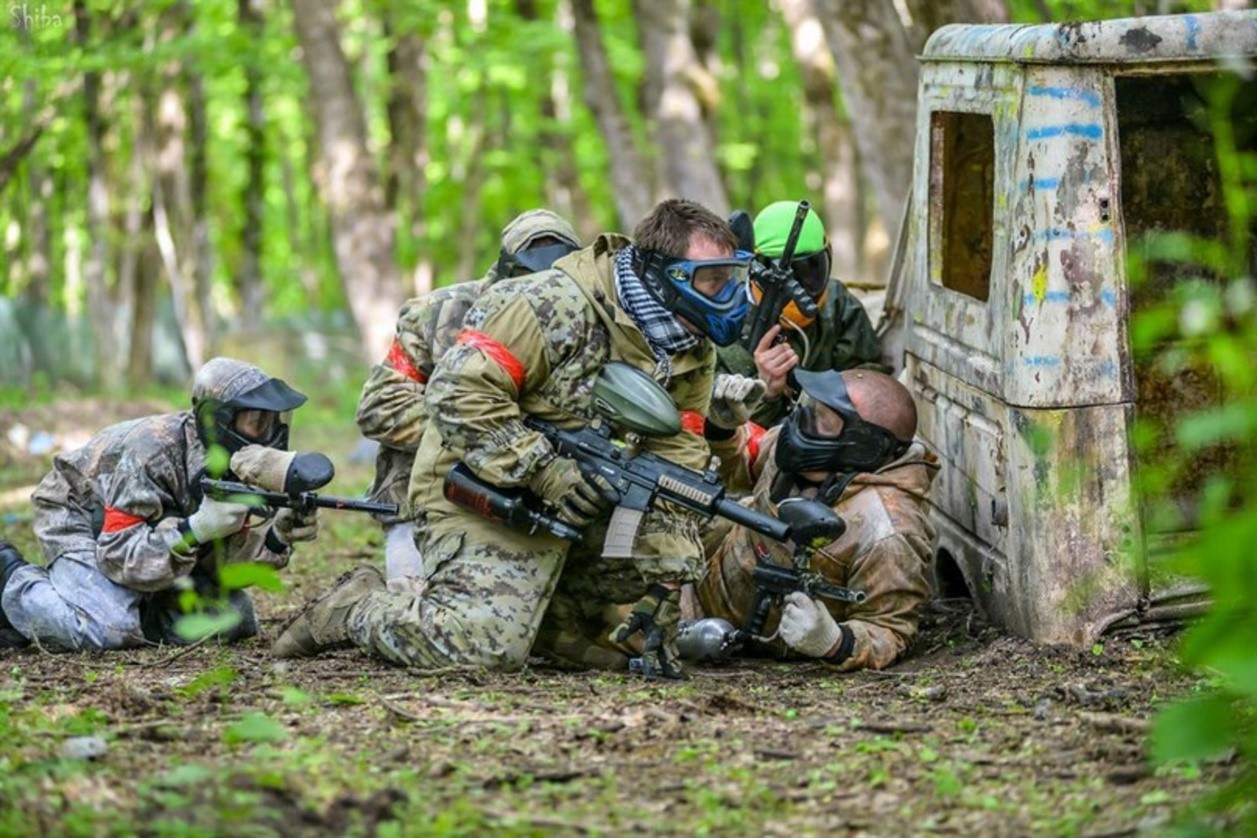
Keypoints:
pixel 392 410
pixel 106 517
pixel 885 552
pixel 840 338
pixel 488 588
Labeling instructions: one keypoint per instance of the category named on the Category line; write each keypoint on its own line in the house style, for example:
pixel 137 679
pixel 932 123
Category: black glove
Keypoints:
pixel 657 616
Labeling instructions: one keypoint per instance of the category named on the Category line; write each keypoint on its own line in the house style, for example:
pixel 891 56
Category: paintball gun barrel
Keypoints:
pixel 307 472
pixel 504 506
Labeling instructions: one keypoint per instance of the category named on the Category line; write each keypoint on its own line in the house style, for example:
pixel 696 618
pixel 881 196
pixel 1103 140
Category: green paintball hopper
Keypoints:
pixel 633 401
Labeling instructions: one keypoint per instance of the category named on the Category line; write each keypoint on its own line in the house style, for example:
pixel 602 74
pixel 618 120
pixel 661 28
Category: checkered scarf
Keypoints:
pixel 665 336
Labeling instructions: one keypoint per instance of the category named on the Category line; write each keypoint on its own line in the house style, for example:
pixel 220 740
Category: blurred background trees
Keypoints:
pixel 273 178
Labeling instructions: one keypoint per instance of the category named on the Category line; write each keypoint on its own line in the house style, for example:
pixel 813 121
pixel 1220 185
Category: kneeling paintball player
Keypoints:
pixel 123 523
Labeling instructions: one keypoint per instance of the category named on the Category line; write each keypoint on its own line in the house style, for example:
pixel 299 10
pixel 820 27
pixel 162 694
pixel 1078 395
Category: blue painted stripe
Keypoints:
pixel 1055 233
pixel 1082 94
pixel 1107 296
pixel 1042 361
pixel 1193 28
pixel 1108 369
pixel 1090 130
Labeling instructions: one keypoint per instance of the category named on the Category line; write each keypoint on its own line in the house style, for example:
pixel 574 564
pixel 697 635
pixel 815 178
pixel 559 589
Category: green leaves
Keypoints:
pixel 1193 729
pixel 236 576
pixel 255 727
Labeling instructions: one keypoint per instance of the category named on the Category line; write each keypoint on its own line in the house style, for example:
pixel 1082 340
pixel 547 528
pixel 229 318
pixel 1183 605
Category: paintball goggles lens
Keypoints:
pixel 536 259
pixel 721 281
pixel 812 272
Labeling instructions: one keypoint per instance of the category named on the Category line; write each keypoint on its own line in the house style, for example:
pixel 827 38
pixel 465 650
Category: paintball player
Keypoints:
pixel 840 335
pixel 392 410
pixel 533 347
pixel 122 521
pixel 848 442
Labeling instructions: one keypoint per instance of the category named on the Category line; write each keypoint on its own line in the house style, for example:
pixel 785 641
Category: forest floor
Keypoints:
pixel 975 733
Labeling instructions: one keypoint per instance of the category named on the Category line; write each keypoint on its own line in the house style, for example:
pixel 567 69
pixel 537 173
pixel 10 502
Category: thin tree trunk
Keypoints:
pixel 362 227
pixel 201 263
pixel 687 153
pixel 631 180
pixel 564 193
pixel 100 306
pixel 249 279
pixel 408 147
pixel 832 134
pixel 470 173
pixel 877 72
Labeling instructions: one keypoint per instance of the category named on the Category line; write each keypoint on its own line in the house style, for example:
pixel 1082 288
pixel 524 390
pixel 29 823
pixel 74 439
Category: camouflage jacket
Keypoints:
pixel 122 496
pixel 885 552
pixel 533 346
pixel 392 410
pixel 840 338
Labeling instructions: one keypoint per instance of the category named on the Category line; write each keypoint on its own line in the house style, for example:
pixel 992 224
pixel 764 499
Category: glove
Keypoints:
pixel 577 498
pixel 261 466
pixel 807 627
pixel 216 519
pixel 733 400
pixel 291 526
pixel 658 617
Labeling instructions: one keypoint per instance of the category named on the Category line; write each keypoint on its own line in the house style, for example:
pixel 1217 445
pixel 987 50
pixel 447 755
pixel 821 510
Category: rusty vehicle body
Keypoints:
pixel 1044 154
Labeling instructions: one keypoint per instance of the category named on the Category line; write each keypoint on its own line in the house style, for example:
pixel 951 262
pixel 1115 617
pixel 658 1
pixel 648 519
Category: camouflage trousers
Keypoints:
pixel 71 606
pixel 492 596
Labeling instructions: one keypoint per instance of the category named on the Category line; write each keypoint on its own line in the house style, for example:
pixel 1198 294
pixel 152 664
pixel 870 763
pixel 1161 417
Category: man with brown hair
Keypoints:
pixel 533 347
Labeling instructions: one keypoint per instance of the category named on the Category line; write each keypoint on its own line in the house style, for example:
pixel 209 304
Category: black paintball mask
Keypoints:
pixel 861 446
pixel 217 420
pixel 539 255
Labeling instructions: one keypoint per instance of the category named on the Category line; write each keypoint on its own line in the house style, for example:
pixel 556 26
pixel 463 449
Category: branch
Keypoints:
pixel 11 159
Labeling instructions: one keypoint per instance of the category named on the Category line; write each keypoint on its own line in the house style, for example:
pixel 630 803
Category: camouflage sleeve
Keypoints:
pixel 856 344
pixel 391 410
pixel 134 547
pixel 473 396
pixel 893 574
pixel 669 544
pixel 250 545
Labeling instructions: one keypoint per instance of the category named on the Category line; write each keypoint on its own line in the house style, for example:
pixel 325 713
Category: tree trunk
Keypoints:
pixel 100 305
pixel 832 135
pixel 362 227
pixel 201 263
pixel 877 72
pixel 468 172
pixel 563 191
pixel 631 180
pixel 673 82
pixel 928 15
pixel 408 148
pixel 249 278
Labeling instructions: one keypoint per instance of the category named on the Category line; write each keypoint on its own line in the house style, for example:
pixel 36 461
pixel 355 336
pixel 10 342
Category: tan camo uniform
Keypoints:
pixel 532 346
pixel 884 552
pixel 392 409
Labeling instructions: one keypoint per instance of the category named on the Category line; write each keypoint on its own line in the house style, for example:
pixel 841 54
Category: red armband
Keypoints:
pixel 692 421
pixel 116 519
pixel 400 361
pixel 497 351
pixel 754 433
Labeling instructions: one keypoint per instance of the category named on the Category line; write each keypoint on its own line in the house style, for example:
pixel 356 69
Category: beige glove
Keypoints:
pixel 217 519
pixel 291 526
pixel 258 465
pixel 807 627
pixel 733 400
pixel 576 498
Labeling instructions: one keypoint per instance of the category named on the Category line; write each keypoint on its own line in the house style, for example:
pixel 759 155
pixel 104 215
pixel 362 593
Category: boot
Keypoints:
pixel 324 623
pixel 10 561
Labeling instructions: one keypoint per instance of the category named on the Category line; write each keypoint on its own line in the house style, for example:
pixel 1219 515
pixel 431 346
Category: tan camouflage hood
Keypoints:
pixel 534 224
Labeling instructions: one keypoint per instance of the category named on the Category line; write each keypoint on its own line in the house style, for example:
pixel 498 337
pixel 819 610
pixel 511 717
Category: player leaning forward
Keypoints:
pixel 533 347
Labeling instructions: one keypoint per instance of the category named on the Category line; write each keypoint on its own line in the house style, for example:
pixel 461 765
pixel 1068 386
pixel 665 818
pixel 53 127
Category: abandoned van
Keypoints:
pixel 1043 155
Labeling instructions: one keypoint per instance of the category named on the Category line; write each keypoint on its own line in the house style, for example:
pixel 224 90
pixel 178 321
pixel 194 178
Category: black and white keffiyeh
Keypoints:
pixel 664 334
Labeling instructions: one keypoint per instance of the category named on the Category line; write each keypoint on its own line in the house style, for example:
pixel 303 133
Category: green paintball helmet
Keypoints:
pixel 811 261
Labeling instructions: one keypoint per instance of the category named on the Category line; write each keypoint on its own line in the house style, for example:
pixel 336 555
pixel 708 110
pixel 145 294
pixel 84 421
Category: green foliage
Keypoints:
pixel 1206 325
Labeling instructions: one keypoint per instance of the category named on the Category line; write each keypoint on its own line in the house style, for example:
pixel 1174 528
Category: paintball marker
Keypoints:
pixel 306 473
pixel 503 506
pixel 778 284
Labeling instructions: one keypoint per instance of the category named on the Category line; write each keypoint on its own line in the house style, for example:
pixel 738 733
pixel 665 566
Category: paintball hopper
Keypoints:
pixel 632 400
pixel 289 472
pixel 813 525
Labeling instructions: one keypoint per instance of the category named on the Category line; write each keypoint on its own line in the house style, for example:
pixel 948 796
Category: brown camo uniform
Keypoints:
pixel 884 552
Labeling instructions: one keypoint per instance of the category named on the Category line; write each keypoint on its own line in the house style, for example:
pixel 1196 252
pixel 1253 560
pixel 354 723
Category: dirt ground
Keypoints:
pixel 975 733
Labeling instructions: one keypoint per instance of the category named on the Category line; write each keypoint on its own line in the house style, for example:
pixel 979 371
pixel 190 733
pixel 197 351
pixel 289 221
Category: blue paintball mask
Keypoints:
pixel 674 282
